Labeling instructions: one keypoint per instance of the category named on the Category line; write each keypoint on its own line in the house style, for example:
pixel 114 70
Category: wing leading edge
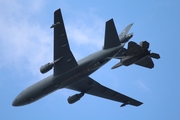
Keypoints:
pixel 62 52
pixel 146 62
pixel 90 86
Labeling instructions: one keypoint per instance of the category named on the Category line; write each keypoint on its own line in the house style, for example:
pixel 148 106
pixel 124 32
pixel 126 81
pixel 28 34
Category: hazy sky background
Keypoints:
pixel 26 43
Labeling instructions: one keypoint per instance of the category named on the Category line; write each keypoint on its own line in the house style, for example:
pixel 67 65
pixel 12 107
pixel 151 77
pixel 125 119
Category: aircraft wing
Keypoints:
pixel 133 48
pixel 146 62
pixel 62 52
pixel 121 54
pixel 90 86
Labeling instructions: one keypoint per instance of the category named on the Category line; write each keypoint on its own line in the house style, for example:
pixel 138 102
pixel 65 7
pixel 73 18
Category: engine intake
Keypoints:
pixel 45 68
pixel 74 98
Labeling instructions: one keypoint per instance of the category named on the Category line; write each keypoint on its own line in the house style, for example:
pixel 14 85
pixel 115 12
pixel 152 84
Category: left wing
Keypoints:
pixel 62 53
pixel 146 62
pixel 90 86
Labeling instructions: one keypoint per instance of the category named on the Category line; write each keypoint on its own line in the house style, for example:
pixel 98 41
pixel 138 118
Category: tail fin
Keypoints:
pixel 124 37
pixel 111 36
pixel 126 30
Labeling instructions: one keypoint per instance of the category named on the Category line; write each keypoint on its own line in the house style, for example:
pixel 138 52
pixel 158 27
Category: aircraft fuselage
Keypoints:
pixel 86 66
pixel 131 59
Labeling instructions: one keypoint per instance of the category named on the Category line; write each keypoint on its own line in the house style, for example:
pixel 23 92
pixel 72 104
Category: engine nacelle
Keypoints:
pixel 45 68
pixel 126 38
pixel 74 98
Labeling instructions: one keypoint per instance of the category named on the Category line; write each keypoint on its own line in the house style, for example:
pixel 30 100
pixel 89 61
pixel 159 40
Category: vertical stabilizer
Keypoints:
pixel 111 36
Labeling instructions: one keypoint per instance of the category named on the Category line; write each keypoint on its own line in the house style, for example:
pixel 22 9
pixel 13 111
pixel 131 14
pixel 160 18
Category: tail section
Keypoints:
pixel 117 65
pixel 126 30
pixel 111 36
pixel 124 36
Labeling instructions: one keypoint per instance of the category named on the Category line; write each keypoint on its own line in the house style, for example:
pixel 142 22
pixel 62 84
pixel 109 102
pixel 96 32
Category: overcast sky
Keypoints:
pixel 26 43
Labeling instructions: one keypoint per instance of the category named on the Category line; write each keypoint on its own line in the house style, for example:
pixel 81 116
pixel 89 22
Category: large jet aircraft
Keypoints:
pixel 136 54
pixel 68 73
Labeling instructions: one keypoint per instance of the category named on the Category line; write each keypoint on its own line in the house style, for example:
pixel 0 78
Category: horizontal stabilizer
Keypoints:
pixel 155 55
pixel 146 62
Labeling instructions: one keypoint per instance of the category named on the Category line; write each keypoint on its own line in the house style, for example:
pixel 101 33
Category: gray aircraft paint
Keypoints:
pixel 136 54
pixel 75 75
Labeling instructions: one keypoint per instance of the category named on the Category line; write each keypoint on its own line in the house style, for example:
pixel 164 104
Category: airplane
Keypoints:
pixel 136 54
pixel 70 74
pixel 124 37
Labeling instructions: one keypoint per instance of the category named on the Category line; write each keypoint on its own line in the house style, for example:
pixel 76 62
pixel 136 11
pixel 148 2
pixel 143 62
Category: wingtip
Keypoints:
pixel 131 24
pixel 140 104
pixel 110 20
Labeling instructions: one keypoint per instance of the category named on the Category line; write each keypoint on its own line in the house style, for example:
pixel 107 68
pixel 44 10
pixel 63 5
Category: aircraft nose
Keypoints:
pixel 15 102
pixel 18 101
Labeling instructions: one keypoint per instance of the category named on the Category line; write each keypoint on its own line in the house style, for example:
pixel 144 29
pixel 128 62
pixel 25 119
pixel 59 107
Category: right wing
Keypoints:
pixel 90 86
pixel 62 53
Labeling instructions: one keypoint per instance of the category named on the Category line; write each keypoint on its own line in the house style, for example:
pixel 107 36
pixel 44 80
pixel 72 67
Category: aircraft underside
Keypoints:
pixel 74 75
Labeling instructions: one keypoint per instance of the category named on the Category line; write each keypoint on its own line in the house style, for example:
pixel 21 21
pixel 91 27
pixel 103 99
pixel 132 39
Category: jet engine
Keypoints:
pixel 126 38
pixel 74 98
pixel 45 68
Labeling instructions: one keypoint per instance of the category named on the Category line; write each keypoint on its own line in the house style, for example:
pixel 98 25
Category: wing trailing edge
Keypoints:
pixel 62 52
